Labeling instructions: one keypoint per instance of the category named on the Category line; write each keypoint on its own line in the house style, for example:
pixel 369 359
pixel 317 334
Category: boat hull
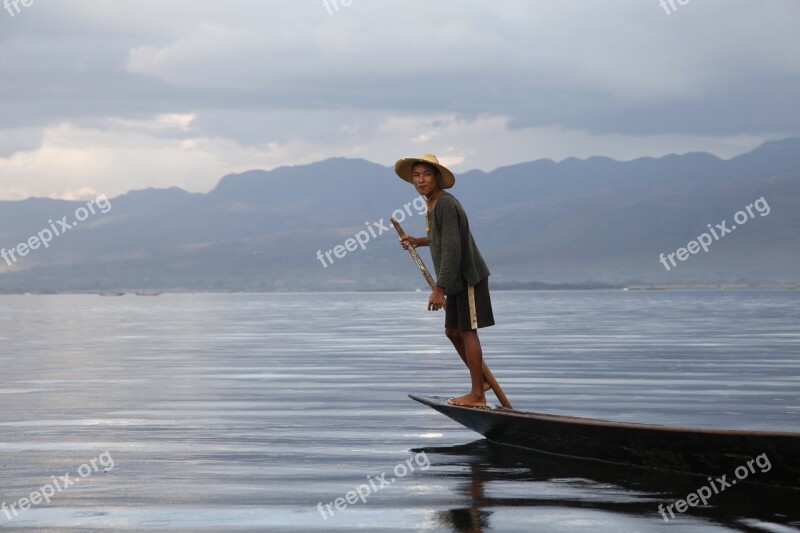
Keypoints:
pixel 701 451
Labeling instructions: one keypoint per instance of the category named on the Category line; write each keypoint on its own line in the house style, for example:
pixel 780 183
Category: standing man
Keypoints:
pixel 461 273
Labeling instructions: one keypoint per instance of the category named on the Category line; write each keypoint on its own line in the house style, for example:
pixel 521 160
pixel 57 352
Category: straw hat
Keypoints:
pixel 404 166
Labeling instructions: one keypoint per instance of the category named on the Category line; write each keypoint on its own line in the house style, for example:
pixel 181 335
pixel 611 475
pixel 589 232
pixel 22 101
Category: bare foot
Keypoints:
pixel 468 400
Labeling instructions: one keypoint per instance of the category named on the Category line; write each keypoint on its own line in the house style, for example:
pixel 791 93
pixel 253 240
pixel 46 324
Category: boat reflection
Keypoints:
pixel 497 476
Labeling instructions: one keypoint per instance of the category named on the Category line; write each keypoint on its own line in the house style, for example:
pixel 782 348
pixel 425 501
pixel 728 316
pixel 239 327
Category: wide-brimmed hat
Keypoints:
pixel 404 167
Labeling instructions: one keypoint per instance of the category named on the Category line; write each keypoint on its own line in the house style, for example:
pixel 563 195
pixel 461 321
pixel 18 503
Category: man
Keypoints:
pixel 461 273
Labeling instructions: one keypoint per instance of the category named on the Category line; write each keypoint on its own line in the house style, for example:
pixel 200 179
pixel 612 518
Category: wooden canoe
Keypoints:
pixel 710 452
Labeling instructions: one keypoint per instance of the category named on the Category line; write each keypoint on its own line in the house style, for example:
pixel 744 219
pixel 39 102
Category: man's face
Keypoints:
pixel 424 178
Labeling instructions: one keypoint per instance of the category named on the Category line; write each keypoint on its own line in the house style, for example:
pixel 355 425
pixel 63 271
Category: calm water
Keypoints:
pixel 243 412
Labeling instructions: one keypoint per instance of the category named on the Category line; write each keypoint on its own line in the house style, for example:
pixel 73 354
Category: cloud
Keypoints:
pixel 74 162
pixel 85 161
pixel 145 92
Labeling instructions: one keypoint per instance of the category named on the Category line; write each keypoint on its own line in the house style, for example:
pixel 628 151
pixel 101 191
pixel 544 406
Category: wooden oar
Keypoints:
pixel 487 374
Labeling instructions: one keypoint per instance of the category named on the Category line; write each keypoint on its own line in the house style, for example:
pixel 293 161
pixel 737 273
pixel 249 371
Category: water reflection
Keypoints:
pixel 226 411
pixel 489 477
pixel 470 519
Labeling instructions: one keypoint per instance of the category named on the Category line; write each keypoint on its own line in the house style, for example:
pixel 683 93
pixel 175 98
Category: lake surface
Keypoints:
pixel 244 412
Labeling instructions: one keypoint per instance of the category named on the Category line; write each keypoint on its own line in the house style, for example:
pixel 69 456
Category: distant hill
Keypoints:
pixel 594 221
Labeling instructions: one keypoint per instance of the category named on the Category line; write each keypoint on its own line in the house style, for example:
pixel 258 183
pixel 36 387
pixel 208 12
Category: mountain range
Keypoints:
pixel 577 222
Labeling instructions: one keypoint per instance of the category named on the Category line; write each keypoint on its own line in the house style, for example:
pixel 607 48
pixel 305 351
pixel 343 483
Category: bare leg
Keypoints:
pixel 473 356
pixel 458 343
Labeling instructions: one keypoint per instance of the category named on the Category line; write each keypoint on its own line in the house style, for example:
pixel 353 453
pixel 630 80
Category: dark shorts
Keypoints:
pixel 464 315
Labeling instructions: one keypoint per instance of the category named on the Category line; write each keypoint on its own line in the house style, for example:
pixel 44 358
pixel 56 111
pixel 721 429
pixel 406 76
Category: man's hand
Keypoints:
pixel 414 242
pixel 436 300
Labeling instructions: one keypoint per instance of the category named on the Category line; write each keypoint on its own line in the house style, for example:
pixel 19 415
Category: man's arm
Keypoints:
pixel 416 242
pixel 436 299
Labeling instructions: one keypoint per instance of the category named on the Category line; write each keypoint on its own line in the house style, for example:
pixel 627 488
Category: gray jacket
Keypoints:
pixel 455 255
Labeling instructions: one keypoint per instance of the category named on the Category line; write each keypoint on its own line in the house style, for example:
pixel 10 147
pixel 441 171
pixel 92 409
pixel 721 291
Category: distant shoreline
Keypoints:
pixel 505 287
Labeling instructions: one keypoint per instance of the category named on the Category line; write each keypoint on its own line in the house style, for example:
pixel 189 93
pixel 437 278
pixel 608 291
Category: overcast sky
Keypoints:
pixel 112 95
